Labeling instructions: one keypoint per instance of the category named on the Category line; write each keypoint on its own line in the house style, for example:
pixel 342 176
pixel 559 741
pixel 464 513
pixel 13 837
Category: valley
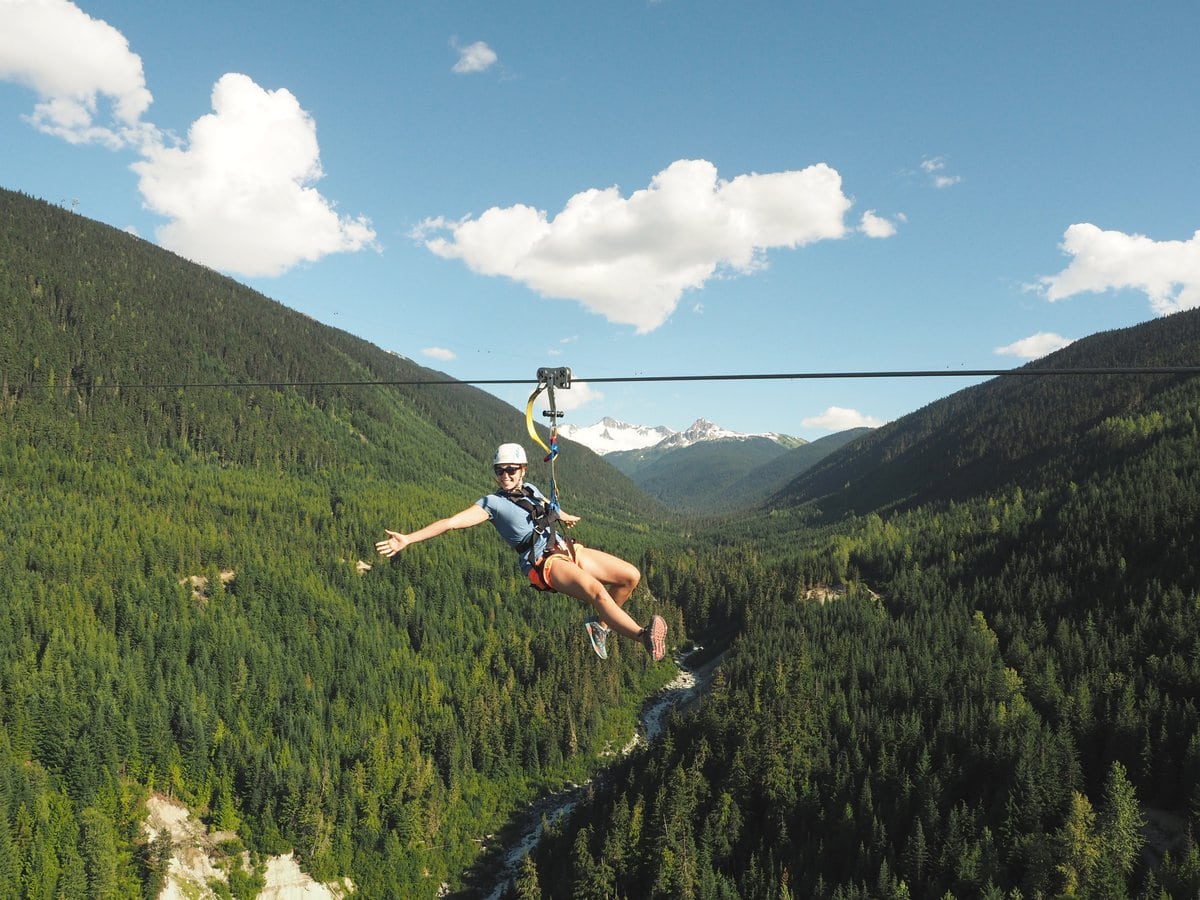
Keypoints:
pixel 1002 698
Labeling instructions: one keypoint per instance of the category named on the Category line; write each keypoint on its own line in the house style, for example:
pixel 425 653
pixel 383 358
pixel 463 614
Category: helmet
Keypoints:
pixel 510 454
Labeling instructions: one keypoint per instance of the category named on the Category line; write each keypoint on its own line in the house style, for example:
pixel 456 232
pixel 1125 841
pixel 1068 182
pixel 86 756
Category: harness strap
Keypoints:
pixel 550 449
pixel 539 574
pixel 544 517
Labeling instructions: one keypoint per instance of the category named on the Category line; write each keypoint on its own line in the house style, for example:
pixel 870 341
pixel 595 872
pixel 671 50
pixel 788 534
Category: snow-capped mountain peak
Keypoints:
pixel 700 430
pixel 610 435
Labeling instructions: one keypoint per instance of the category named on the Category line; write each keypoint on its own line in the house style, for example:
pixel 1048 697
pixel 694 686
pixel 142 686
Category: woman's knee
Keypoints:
pixel 634 577
pixel 620 575
pixel 628 574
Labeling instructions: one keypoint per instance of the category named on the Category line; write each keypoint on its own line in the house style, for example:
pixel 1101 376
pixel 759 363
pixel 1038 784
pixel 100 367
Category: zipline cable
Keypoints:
pixel 635 379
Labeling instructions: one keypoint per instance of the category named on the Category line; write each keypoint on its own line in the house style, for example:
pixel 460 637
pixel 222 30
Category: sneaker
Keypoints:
pixel 654 636
pixel 598 635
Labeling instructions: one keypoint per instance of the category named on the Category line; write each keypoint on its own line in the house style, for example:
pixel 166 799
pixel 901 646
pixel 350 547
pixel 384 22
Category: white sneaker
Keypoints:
pixel 598 635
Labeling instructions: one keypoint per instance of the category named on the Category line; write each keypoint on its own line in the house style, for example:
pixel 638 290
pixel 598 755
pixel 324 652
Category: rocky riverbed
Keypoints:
pixel 684 690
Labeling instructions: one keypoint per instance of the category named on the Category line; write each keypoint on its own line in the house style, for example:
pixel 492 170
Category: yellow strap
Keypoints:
pixel 529 417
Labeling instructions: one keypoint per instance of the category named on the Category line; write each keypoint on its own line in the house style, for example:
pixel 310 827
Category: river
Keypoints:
pixel 682 691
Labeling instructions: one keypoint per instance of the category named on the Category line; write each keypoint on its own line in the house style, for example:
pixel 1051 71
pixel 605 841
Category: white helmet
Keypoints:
pixel 509 455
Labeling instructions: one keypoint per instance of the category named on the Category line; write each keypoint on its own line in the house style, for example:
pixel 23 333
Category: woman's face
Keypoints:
pixel 509 477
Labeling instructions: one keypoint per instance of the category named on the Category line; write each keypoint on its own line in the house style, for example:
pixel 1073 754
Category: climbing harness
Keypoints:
pixel 544 518
pixel 541 514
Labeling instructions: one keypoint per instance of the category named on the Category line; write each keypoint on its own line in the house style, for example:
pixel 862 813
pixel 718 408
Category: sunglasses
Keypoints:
pixel 507 470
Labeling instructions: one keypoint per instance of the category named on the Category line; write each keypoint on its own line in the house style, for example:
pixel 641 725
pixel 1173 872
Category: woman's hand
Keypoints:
pixel 394 544
pixel 567 519
pixel 468 518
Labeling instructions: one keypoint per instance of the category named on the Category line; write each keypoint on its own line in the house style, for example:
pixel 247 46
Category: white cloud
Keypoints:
pixel 239 195
pixel 1167 272
pixel 439 353
pixel 476 57
pixel 75 64
pixel 1035 346
pixel 876 226
pixel 578 395
pixel 935 167
pixel 837 418
pixel 631 259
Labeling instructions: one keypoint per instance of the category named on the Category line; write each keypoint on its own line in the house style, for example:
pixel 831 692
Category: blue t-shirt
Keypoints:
pixel 514 524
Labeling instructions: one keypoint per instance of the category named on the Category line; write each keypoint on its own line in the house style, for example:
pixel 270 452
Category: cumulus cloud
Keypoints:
pixel 630 259
pixel 476 57
pixel 837 418
pixel 1167 272
pixel 580 394
pixel 1035 346
pixel 79 67
pixel 874 226
pixel 238 195
pixel 439 353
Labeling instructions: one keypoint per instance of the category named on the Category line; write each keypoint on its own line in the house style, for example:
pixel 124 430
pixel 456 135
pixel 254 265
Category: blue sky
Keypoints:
pixel 679 187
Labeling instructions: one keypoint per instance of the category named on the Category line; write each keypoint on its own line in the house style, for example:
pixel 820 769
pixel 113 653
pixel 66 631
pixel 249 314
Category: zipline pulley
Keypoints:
pixel 559 378
pixel 548 380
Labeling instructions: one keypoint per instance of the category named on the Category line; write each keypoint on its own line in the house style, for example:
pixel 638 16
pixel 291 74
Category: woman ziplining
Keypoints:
pixel 525 519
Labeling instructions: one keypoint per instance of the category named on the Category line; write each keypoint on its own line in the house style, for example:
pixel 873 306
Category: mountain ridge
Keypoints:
pixel 1002 428
pixel 611 435
pixel 1013 632
pixel 1006 672
pixel 708 470
pixel 194 477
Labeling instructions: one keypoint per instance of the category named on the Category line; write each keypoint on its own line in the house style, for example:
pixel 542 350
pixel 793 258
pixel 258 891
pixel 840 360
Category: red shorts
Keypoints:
pixel 539 575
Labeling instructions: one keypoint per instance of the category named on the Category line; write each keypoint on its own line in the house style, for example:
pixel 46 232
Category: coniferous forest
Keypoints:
pixel 961 655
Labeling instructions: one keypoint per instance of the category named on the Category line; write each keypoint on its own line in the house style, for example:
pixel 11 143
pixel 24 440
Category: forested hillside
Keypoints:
pixel 1001 698
pixel 1005 429
pixel 696 479
pixel 753 490
pixel 712 478
pixel 182 605
pixel 964 650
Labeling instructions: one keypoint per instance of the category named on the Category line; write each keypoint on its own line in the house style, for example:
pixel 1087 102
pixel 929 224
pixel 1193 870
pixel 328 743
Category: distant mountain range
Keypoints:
pixel 609 435
pixel 613 436
pixel 705 469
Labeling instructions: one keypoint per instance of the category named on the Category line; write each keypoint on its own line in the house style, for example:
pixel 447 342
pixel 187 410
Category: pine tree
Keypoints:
pixel 526 885
pixel 100 853
pixel 1121 821
pixel 1079 846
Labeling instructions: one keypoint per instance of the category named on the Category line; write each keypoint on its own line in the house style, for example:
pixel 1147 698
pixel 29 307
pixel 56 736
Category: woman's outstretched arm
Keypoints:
pixel 395 542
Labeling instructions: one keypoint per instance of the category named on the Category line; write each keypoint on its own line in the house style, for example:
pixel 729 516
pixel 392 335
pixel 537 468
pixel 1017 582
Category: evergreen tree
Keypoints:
pixel 526 885
pixel 1120 821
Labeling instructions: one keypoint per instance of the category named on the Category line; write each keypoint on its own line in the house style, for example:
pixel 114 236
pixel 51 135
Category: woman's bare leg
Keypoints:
pixel 568 578
pixel 617 575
